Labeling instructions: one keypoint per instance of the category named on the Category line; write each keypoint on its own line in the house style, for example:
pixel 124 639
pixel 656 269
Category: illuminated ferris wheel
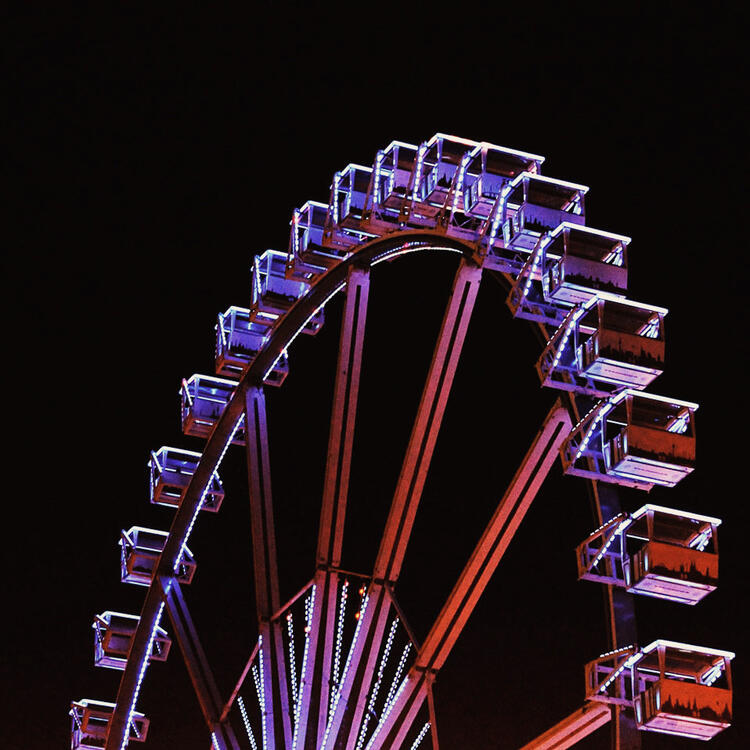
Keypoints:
pixel 336 665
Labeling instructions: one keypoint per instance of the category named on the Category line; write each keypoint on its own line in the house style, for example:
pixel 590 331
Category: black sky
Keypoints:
pixel 152 153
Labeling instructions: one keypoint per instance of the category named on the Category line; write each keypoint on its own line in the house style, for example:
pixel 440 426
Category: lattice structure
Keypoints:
pixel 336 666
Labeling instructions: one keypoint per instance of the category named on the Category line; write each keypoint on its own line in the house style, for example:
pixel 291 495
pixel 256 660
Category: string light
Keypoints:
pixel 246 722
pixel 335 197
pixel 573 318
pixel 339 641
pixel 141 674
pixel 346 671
pixel 418 175
pixel 391 700
pixel 616 651
pixel 620 528
pixel 376 687
pixel 497 213
pixel 260 686
pixel 376 182
pixel 292 659
pixel 302 327
pixel 309 610
pixel 205 492
pixel 604 409
pixel 625 665
pixel 461 176
pixel 420 736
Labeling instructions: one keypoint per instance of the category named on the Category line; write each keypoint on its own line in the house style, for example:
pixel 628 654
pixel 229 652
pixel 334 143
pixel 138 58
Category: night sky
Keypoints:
pixel 153 154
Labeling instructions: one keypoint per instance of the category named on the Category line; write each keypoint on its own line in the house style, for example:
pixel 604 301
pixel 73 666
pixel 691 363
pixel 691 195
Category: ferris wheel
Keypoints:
pixel 336 665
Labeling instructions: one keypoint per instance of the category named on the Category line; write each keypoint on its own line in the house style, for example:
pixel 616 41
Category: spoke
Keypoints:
pixel 338 466
pixel 265 567
pixel 346 390
pixel 477 573
pixel 427 424
pixel 261 509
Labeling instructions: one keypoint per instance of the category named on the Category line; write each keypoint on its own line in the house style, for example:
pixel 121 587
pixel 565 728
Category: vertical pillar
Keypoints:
pixel 265 568
pixel 333 510
pixel 343 416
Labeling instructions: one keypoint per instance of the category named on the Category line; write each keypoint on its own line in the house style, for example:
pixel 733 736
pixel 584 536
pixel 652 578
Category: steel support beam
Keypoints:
pixel 273 668
pixel 427 424
pixel 316 678
pixel 336 487
pixel 476 575
pixel 343 416
pixel 573 728
pixel 355 687
pixel 197 665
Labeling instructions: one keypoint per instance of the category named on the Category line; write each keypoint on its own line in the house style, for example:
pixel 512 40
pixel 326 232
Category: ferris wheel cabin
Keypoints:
pixel 674 688
pixel 238 341
pixel 140 549
pixel 307 256
pixel 272 295
pixel 113 636
pixel 392 177
pixel 170 471
pixel 90 721
pixel 439 161
pixel 603 345
pixel 635 439
pixel 535 205
pixel 348 197
pixel 584 259
pixel 204 399
pixel 655 551
pixel 488 170
pixel 348 206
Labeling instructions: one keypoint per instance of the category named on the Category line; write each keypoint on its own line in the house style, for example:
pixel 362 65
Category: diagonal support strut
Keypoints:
pixel 197 665
pixel 573 728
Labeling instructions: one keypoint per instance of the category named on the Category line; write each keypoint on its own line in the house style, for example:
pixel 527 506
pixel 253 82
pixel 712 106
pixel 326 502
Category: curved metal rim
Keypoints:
pixel 282 335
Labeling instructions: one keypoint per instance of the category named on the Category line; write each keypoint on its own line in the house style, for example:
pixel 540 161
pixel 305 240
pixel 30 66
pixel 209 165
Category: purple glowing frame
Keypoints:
pixel 296 712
